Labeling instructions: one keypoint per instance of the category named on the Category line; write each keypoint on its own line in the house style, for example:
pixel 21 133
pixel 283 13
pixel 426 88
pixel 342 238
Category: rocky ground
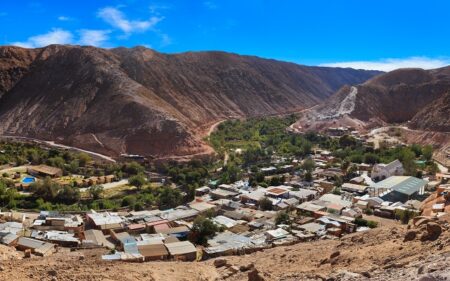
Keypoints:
pixel 393 252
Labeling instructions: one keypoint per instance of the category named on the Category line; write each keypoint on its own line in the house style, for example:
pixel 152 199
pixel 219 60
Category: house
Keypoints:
pixel 202 191
pixel 354 188
pixel 303 195
pixel 37 247
pixel 44 171
pixel 223 194
pixel 326 185
pixel 61 238
pixel 225 221
pixel 253 197
pixel 105 221
pixel 153 252
pixel 399 188
pixel 227 243
pixel 277 192
pixel 309 208
pixel 275 234
pixel 179 231
pixel 183 250
pixel 202 207
pixel 312 227
pixel 8 238
pixel 383 171
pixel 95 237
pixel 335 199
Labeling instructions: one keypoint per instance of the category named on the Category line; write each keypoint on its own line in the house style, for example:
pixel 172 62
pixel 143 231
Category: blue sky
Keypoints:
pixel 367 34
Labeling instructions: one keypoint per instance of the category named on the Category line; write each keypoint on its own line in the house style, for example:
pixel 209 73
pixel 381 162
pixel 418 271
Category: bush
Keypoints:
pixel 282 218
pixel 265 204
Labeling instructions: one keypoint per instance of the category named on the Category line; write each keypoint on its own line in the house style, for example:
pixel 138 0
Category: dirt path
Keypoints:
pixel 53 144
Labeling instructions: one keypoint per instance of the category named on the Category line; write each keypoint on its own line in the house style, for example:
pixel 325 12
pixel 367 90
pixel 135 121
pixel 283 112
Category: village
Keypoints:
pixel 233 218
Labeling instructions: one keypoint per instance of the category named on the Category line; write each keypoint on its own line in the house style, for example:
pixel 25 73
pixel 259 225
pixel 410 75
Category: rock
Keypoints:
pixel 254 275
pixel 324 261
pixel 421 269
pixel 52 272
pixel 220 262
pixel 334 254
pixel 422 221
pixel 247 267
pixel 234 269
pixel 81 258
pixel 410 235
pixel 366 274
pixel 434 230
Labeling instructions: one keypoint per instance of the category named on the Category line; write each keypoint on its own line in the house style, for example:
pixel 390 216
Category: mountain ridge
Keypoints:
pixel 144 102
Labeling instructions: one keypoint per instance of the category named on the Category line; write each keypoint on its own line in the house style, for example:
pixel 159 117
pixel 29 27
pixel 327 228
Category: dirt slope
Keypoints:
pixel 141 101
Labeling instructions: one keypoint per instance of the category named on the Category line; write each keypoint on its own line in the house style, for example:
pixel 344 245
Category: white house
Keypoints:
pixel 383 171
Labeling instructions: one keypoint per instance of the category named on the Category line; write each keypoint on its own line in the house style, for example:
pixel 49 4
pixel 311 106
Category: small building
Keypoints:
pixel 153 252
pixel 383 171
pixel 399 188
pixel 202 190
pixel 182 251
pixel 277 192
pixel 354 188
pixel 44 171
pixel 276 234
pixel 105 221
pixel 304 195
pixel 95 237
pixel 223 194
pixel 37 247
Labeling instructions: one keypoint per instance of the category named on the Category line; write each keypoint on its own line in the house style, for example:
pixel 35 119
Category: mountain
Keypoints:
pixel 417 98
pixel 140 101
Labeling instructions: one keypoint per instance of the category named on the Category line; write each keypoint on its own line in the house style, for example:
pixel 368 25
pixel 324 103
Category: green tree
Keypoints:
pixel 427 152
pixel 202 230
pixel 83 159
pixel 137 181
pixel 308 165
pixel 68 195
pixel 95 191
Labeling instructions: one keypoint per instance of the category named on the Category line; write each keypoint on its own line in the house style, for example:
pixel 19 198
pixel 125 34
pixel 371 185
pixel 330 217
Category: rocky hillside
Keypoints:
pixel 417 98
pixel 140 101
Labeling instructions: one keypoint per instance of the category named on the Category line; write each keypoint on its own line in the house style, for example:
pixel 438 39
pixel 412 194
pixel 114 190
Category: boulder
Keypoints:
pixel 254 275
pixel 220 262
pixel 434 230
pixel 410 235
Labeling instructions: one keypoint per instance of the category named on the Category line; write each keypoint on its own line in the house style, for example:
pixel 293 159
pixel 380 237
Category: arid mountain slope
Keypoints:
pixel 144 102
pixel 417 98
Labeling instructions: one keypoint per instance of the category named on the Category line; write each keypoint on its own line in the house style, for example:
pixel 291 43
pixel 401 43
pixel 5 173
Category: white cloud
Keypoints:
pixel 64 18
pixel 93 37
pixel 55 36
pixel 392 64
pixel 117 19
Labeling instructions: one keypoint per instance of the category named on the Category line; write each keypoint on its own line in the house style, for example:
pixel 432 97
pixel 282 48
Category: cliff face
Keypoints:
pixel 144 102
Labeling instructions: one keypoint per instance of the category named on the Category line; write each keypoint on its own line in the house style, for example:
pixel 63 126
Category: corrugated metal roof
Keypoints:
pixel 181 248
